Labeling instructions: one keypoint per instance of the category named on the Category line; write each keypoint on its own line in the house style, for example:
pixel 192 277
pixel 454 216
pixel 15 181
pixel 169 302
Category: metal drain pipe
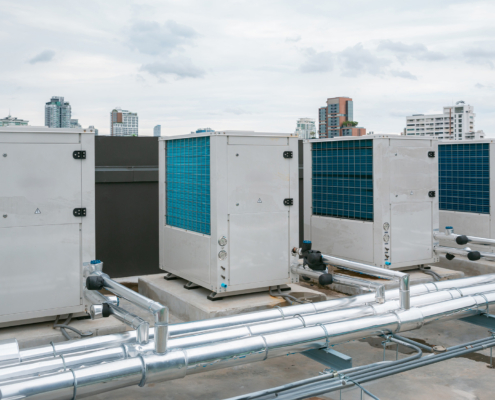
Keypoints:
pixel 210 325
pixel 377 288
pixel 150 368
pixel 141 326
pixel 403 278
pixel 98 280
pixel 462 239
pixel 24 370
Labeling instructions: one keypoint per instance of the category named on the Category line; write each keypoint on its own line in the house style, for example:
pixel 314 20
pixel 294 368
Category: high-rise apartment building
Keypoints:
pixel 123 123
pixel 337 119
pixel 306 128
pixel 10 121
pixel 157 130
pixel 456 123
pixel 74 123
pixel 57 113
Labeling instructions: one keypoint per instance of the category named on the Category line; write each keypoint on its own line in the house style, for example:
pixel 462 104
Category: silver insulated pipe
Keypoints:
pixel 182 361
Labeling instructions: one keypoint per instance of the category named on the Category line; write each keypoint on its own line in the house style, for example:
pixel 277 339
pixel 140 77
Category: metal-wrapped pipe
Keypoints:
pixel 158 310
pixel 463 239
pixel 377 288
pixel 141 326
pixel 180 363
pixel 466 252
pixel 53 365
pixel 188 328
pixel 403 278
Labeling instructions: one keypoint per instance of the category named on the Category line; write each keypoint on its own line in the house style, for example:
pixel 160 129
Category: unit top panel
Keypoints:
pixel 229 133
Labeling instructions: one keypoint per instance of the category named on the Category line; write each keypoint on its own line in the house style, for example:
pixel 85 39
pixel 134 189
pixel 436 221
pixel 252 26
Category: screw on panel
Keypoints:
pixel 5 154
pixel 5 215
pixel 237 155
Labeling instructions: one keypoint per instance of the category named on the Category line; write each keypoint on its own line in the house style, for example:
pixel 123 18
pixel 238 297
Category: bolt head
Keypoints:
pixel 5 154
pixel 5 215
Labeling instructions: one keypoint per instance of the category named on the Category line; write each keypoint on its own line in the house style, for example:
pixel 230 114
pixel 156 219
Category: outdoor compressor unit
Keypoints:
pixel 466 190
pixel 372 199
pixel 229 209
pixel 47 221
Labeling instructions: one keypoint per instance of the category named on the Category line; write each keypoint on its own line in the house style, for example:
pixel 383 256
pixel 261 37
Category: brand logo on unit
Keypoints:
pixel 259 201
pixel 37 211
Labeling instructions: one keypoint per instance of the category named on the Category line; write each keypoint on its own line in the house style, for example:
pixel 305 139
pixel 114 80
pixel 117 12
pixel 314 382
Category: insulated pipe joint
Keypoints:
pixel 409 319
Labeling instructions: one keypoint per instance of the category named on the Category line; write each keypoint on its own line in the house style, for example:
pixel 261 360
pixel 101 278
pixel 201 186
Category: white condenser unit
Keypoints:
pixel 467 188
pixel 229 209
pixel 47 221
pixel 372 199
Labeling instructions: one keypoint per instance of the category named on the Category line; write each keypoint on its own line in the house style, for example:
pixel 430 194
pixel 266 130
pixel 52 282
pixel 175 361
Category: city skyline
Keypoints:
pixel 162 59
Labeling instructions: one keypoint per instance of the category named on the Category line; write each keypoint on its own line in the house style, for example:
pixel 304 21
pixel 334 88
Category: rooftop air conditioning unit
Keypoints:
pixel 47 221
pixel 372 199
pixel 466 190
pixel 229 209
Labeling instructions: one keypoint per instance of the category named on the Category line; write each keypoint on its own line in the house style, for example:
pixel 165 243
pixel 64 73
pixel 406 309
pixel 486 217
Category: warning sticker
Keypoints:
pixel 259 201
pixel 37 211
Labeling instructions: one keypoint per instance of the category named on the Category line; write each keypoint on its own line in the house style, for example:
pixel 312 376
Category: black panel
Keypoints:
pixel 127 205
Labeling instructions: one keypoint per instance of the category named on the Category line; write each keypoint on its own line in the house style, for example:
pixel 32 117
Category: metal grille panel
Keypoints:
pixel 464 177
pixel 343 179
pixel 188 184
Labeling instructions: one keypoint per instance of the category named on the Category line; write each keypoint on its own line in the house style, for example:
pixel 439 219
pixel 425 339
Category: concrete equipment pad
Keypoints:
pixel 192 305
pixel 42 333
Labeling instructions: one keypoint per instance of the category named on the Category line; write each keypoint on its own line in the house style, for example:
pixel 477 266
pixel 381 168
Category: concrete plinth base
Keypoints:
pixel 416 277
pixel 192 305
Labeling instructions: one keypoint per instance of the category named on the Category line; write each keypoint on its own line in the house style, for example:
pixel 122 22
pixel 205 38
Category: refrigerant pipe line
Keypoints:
pixel 194 327
pixel 148 368
pixel 84 359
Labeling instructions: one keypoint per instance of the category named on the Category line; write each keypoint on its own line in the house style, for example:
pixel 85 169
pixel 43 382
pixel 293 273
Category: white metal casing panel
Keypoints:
pixel 473 224
pixel 403 175
pixel 42 243
pixel 249 179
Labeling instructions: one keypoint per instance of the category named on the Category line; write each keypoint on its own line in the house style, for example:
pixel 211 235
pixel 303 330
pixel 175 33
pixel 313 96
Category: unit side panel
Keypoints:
pixel 162 205
pixel 41 270
pixel 411 234
pixel 41 184
pixel 492 189
pixel 258 178
pixel 259 247
pixel 219 210
pixel 294 194
pixel 308 190
pixel 88 223
pixel 381 204
pixel 343 238
pixel 186 254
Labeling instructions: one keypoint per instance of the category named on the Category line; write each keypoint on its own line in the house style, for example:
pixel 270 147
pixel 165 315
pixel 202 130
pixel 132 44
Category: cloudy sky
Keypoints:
pixel 251 65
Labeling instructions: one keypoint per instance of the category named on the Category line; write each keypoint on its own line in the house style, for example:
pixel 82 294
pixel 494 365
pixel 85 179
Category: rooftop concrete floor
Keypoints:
pixel 461 378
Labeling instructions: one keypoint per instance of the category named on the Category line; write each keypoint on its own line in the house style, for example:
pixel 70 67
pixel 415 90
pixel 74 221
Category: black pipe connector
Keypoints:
pixel 325 279
pixel 449 256
pixel 474 255
pixel 312 258
pixel 106 311
pixel 94 282
pixel 462 239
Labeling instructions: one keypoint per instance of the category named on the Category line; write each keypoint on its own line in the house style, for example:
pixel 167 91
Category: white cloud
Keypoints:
pixel 234 67
pixel 44 56
pixel 416 50
pixel 317 62
pixel 181 67
pixel 150 37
